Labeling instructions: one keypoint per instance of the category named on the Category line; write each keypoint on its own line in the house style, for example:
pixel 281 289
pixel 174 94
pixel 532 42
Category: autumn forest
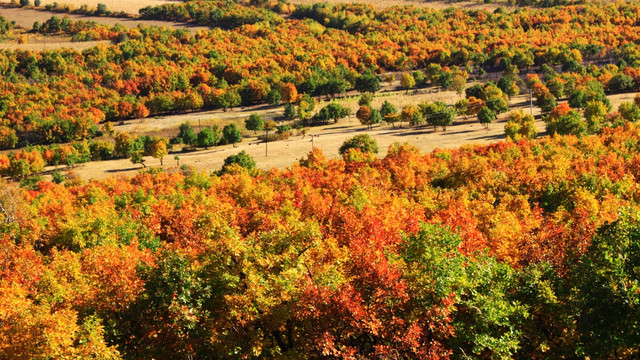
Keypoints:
pixel 525 245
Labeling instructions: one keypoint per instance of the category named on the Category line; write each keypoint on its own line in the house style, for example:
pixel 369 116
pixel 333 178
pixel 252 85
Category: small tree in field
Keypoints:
pixel 208 137
pixel 254 122
pixel 231 134
pixel 486 116
pixel 159 149
pixel 407 81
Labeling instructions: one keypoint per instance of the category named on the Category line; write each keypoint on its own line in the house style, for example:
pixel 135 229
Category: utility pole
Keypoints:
pixel 313 136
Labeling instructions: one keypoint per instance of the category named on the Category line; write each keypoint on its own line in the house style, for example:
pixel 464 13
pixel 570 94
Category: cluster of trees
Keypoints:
pixel 207 136
pixel 6 27
pixel 224 14
pixel 151 71
pixel 512 250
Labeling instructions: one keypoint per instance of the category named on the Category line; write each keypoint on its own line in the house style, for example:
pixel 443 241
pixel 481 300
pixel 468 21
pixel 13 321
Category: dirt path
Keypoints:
pixel 26 17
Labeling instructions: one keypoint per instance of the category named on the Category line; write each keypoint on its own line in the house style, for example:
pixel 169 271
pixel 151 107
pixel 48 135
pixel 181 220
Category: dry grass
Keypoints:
pixel 127 6
pixel 26 17
pixel 40 43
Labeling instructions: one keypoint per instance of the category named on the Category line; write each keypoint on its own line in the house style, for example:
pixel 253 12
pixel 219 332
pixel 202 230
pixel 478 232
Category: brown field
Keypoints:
pixel 26 17
pixel 129 7
pixel 41 43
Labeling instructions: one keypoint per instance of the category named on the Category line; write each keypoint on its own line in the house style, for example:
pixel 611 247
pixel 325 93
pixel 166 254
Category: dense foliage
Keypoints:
pixel 523 250
pixel 322 50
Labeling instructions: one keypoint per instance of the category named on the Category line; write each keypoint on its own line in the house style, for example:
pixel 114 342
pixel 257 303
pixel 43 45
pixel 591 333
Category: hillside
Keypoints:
pixel 442 255
pixel 230 179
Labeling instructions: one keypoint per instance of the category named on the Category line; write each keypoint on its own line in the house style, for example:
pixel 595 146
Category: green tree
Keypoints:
pixel 461 107
pixel 274 97
pixel 484 314
pixel 570 123
pixel 187 134
pixel 363 143
pixel 509 85
pixel 546 102
pixel 608 279
pixel 242 158
pixel 621 83
pixel 160 104
pixel 231 134
pixel 136 158
pixel 368 82
pixel 594 114
pixel 208 137
pixel 24 3
pixel 335 111
pixel 254 122
pixel 289 111
pixel 486 116
pixel 389 113
pixel 102 9
pixel 630 111
pixel 228 100
pixel 556 87
pixel 438 114
pixel 365 99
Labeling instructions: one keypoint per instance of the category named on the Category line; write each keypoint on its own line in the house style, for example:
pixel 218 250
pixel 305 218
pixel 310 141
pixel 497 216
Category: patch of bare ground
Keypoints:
pixel 127 6
pixel 37 42
pixel 25 18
